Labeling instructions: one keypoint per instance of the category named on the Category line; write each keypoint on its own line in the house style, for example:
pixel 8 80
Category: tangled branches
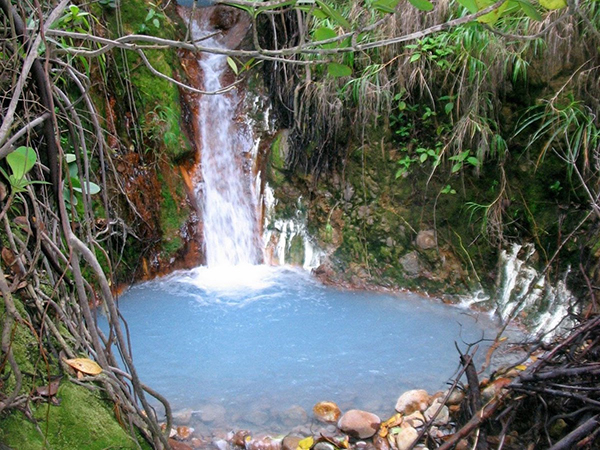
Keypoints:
pixel 52 273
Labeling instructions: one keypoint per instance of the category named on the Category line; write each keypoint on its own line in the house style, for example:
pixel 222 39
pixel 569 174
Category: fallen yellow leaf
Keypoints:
pixel 306 443
pixel 84 365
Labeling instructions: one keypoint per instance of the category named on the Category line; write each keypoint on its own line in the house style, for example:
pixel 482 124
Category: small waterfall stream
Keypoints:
pixel 224 189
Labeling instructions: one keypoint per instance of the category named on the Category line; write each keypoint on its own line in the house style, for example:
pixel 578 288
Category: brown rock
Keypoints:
pixel 380 443
pixel 240 438
pixel 411 401
pixel 415 420
pixel 426 239
pixel 184 433
pixel 406 437
pixel 443 415
pixel 294 416
pixel 290 442
pixel 176 445
pixel 359 424
pixel 327 412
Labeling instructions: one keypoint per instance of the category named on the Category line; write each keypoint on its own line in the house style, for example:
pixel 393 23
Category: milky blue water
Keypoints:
pixel 265 339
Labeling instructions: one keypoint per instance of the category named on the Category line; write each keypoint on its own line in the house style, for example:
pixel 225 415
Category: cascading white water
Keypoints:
pixel 224 187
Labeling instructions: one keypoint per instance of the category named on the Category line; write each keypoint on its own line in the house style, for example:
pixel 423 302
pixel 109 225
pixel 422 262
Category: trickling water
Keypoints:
pixel 226 190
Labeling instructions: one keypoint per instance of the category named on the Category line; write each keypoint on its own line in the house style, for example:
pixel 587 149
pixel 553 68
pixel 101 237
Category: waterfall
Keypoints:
pixel 224 186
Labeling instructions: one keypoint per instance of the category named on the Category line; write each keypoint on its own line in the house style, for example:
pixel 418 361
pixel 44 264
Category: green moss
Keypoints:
pixel 83 420
pixel 172 217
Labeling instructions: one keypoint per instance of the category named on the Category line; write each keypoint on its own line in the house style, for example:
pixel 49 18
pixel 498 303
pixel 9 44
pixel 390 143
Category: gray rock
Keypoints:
pixel 410 264
pixel 324 446
pixel 443 416
pixel 426 239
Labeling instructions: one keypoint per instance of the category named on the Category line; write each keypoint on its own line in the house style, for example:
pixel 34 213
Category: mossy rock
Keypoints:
pixel 83 420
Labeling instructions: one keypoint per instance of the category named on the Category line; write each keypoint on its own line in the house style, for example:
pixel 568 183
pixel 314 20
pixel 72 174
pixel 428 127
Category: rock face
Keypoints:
pixel 411 401
pixel 327 412
pixel 426 239
pixel 359 424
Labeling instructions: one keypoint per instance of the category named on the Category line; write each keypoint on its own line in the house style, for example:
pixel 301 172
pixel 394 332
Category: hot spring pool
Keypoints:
pixel 257 347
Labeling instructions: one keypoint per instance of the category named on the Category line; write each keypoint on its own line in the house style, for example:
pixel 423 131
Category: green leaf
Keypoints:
pixel 473 161
pixel 333 14
pixel 470 5
pixel 449 107
pixel 401 106
pixel 21 161
pixel 386 6
pixel 456 167
pixel 319 14
pixel 415 57
pixel 150 15
pixel 491 17
pixel 91 188
pixel 156 23
pixel 423 157
pixel 324 33
pixel 74 10
pixel 338 70
pixel 233 65
pixel 553 4
pixel 70 158
pixel 423 5
pixel 530 10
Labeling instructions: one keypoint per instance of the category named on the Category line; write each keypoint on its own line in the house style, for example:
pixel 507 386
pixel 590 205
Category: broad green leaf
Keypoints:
pixel 21 161
pixel 91 188
pixel 449 107
pixel 530 10
pixel 423 5
pixel 386 6
pixel 324 33
pixel 156 23
pixel 491 17
pixel 415 57
pixel 423 157
pixel 233 65
pixel 470 5
pixel 150 15
pixel 319 14
pixel 473 161
pixel 333 14
pixel 456 167
pixel 338 70
pixel 74 9
pixel 553 4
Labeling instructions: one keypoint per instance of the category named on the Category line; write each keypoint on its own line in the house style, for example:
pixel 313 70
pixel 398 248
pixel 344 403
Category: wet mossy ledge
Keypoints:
pixel 149 140
pixel 75 416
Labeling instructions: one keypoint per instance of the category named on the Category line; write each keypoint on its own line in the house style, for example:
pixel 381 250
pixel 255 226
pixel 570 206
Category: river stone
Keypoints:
pixel 263 443
pixel 183 416
pixel 324 446
pixel 456 397
pixel 415 419
pixel 212 413
pixel 294 416
pixel 327 412
pixel 443 417
pixel 380 443
pixel 413 400
pixel 426 239
pixel 290 442
pixel 359 424
pixel 405 438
